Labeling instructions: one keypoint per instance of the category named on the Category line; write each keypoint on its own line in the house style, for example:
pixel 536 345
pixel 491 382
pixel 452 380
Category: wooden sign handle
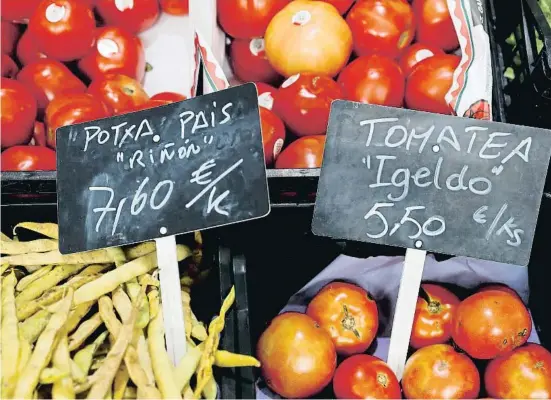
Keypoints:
pixel 171 297
pixel 404 312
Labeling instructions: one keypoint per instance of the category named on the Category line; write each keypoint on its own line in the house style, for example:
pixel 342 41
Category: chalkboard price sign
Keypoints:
pixel 445 184
pixel 159 172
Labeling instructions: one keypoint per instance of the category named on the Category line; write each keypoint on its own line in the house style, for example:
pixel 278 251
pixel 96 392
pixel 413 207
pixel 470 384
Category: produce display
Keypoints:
pixel 385 52
pixel 90 325
pixel 460 347
pixel 71 61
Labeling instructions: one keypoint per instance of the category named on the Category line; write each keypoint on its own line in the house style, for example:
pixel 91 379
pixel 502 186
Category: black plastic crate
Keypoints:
pixel 523 43
pixel 207 296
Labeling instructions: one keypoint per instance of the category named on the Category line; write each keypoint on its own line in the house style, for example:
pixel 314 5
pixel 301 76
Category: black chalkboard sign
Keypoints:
pixel 445 184
pixel 159 172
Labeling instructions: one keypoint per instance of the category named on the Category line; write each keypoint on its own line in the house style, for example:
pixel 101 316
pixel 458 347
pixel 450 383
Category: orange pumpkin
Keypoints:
pixel 308 36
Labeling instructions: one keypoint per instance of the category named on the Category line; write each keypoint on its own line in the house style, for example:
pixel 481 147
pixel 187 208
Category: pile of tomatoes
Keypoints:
pixel 459 349
pixel 304 54
pixel 71 61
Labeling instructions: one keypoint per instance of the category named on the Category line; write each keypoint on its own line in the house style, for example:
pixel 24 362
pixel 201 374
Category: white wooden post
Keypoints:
pixel 171 297
pixel 405 310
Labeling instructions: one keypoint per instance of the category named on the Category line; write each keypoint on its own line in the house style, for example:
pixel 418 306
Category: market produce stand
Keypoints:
pixel 310 233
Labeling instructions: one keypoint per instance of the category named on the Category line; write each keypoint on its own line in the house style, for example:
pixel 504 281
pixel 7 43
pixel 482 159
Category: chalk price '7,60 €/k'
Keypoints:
pixel 157 200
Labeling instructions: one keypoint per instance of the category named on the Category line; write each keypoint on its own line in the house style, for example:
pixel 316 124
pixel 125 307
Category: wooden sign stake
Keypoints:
pixel 171 297
pixel 405 310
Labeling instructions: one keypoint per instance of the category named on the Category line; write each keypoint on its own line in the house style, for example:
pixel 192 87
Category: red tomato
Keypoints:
pixel 266 95
pixel 524 373
pixel 249 61
pixel 175 7
pixel 303 101
pixel 246 19
pixel 72 109
pixel 434 24
pixel 365 377
pixel 498 286
pixel 414 54
pixel 18 113
pixel 28 158
pixel 439 372
pixel 132 15
pixel 428 83
pixel 9 67
pixel 492 323
pixel 342 6
pixel 47 79
pixel 298 359
pixel 305 152
pixel 115 51
pixel 119 92
pixel 433 320
pixel 63 29
pixel 18 10
pixel 170 96
pixel 39 134
pixel 348 314
pixel 151 104
pixel 273 134
pixel 373 80
pixel 10 34
pixel 27 51
pixel 384 27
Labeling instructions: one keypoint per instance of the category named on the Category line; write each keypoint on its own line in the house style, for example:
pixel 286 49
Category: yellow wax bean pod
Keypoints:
pixel 139 250
pixel 32 246
pixel 83 358
pixel 204 372
pixel 131 358
pixel 25 351
pixel 51 375
pixel 48 281
pixel 109 394
pixel 28 379
pixel 148 280
pixel 186 307
pixel 77 314
pixel 4 237
pixel 109 281
pixel 226 359
pixel 32 327
pixel 77 374
pixel 133 289
pixel 105 374
pixel 187 366
pixel 63 388
pixel 46 229
pixel 10 335
pixel 84 331
pixel 162 367
pixel 198 330
pixel 198 236
pixel 210 390
pixel 118 256
pixel 94 269
pixel 131 393
pixel 188 393
pixel 27 280
pixel 121 382
pixel 4 267
pixel 51 296
pixel 101 256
